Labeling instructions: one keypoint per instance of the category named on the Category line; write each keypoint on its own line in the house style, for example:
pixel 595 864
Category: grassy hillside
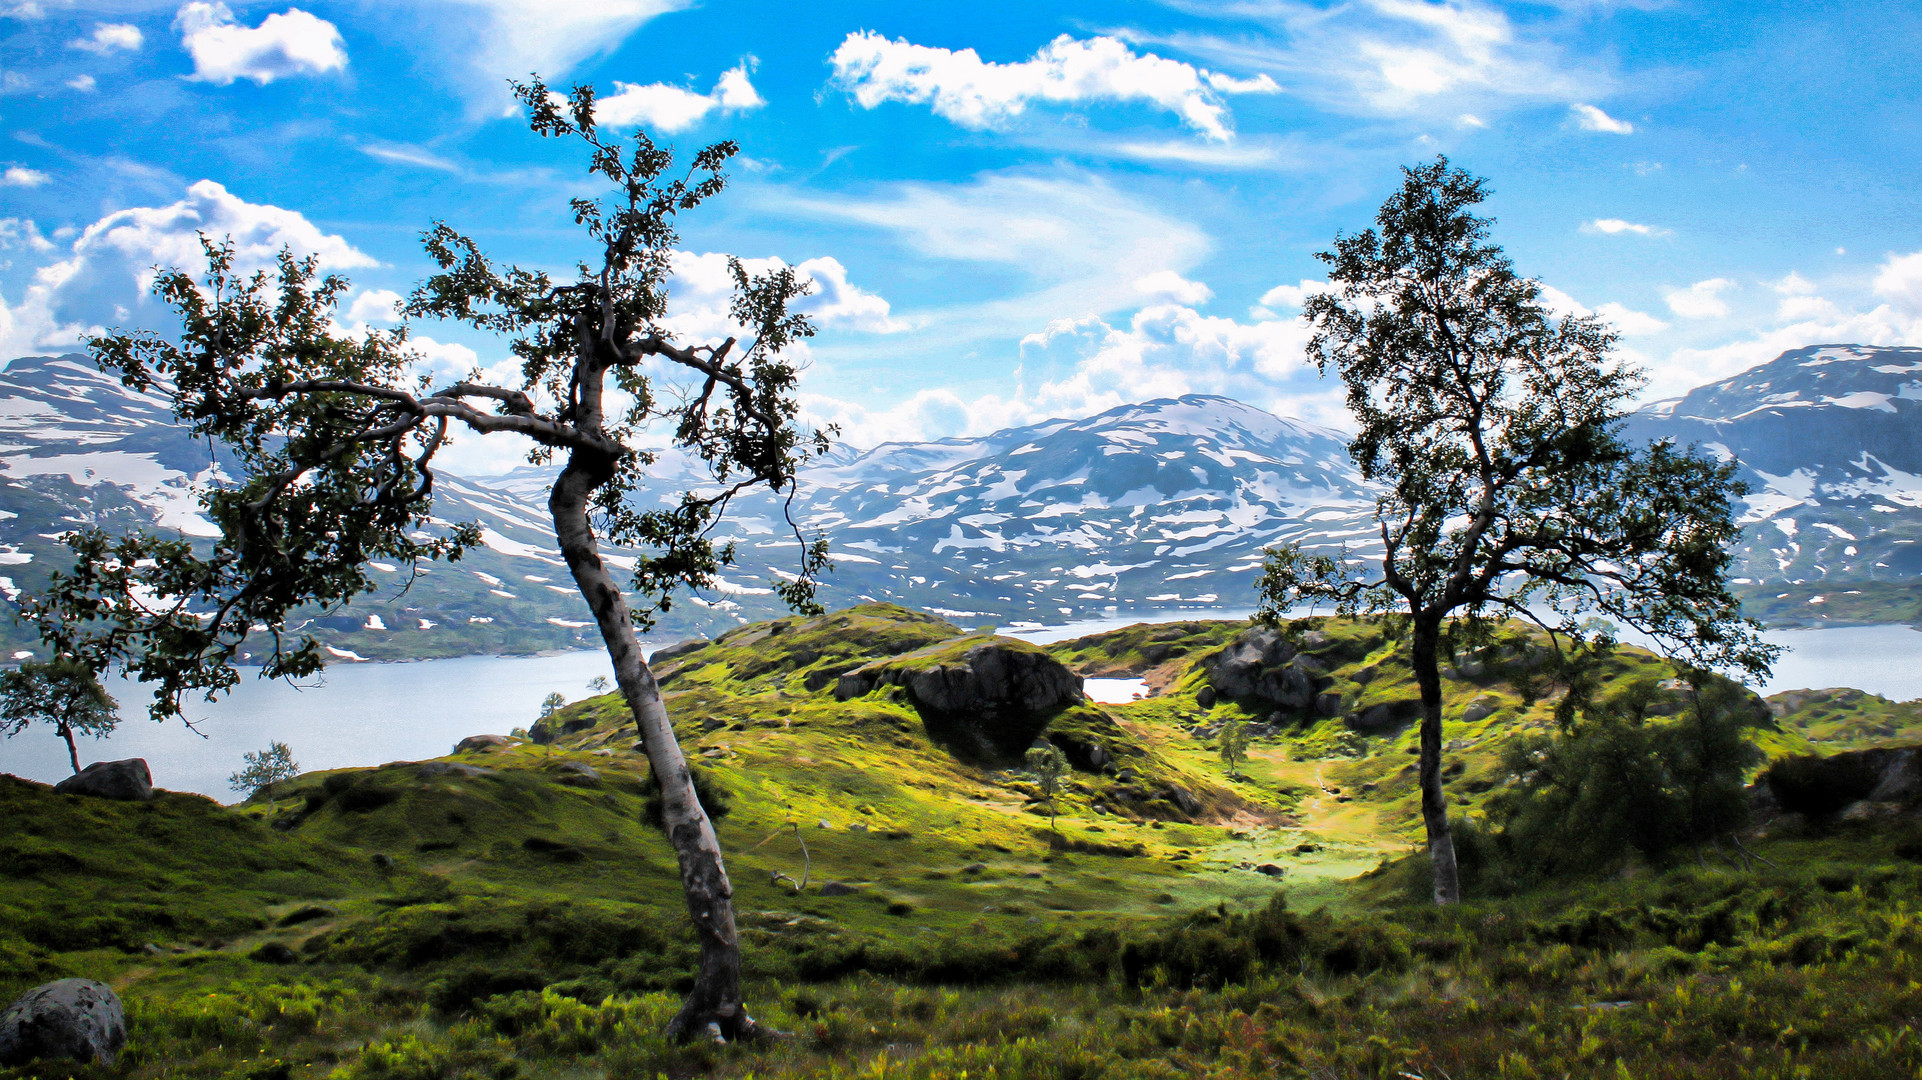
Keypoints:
pixel 512 912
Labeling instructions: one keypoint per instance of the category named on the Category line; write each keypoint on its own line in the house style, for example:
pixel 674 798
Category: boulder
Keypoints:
pixel 1262 666
pixel 1183 798
pixel 577 774
pixel 1480 709
pixel 836 888
pixel 128 781
pixel 1823 786
pixel 988 700
pixel 77 1019
pixel 1385 716
pixel 481 742
pixel 1270 869
pixel 674 652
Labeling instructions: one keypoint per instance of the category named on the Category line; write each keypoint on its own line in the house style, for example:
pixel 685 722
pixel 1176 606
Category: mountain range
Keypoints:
pixel 1160 507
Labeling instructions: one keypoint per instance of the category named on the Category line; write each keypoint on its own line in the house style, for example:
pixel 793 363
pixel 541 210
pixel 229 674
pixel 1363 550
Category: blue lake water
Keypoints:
pixel 367 714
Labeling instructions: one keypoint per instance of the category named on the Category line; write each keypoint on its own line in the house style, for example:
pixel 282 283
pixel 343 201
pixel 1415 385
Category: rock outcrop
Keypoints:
pixel 983 698
pixel 127 780
pixel 1820 787
pixel 481 742
pixel 1263 667
pixel 76 1019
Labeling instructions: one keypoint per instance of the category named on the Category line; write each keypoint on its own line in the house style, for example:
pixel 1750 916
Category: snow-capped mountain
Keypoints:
pixel 1830 440
pixel 1151 508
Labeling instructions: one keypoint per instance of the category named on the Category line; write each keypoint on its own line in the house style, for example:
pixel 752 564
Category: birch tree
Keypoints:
pixel 336 437
pixel 1492 430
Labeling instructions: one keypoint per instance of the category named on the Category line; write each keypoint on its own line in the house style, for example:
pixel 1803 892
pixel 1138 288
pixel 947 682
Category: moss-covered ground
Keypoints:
pixel 510 911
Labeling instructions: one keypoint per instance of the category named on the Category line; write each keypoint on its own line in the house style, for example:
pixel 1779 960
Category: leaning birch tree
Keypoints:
pixel 1491 428
pixel 336 438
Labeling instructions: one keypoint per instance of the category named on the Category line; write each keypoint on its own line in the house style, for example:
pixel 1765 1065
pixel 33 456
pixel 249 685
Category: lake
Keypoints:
pixel 367 714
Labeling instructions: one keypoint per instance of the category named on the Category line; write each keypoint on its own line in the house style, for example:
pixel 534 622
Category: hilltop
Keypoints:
pixel 481 906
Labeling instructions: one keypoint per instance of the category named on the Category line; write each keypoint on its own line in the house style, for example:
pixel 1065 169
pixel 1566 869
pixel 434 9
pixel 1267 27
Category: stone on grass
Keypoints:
pixel 431 769
pixel 77 1019
pixel 836 888
pixel 480 742
pixel 128 781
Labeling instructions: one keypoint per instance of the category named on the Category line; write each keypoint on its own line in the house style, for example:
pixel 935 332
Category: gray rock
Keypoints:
pixel 429 770
pixel 1261 666
pixel 128 781
pixel 1270 869
pixel 1205 697
pixel 1328 703
pixel 1480 709
pixel 1183 798
pixel 480 742
pixel 77 1019
pixel 1385 717
pixel 577 774
pixel 673 652
pixel 991 701
pixel 836 888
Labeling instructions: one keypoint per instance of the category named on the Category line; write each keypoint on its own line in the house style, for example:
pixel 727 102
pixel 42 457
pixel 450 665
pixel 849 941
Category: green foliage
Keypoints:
pixel 264 768
pixel 60 692
pixel 1620 781
pixel 1047 763
pixel 1233 745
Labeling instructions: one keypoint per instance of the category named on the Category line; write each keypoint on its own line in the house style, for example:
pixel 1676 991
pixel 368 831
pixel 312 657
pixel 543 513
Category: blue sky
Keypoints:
pixel 1012 211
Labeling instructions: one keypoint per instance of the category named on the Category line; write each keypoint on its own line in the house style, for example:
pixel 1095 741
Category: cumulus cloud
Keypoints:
pixel 375 306
pixel 1900 281
pixel 290 43
pixel 1292 296
pixel 1616 226
pixel 1168 285
pixel 1626 320
pixel 978 94
pixel 18 234
pixel 83 83
pixel 1590 118
pixel 702 290
pixel 1079 367
pixel 1792 284
pixel 110 37
pixel 671 109
pixel 1702 300
pixel 21 176
pixel 105 276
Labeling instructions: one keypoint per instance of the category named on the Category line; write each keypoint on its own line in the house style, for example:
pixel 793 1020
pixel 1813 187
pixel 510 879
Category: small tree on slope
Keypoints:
pixel 1492 430
pixel 337 438
pixel 62 692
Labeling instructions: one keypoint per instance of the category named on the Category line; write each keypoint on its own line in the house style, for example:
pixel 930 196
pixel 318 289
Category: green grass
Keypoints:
pixel 525 920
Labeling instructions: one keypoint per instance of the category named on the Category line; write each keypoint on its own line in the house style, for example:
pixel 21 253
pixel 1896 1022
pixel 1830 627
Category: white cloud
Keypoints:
pixel 404 154
pixel 1616 226
pixel 1792 284
pixel 291 43
pixel 21 176
pixel 1806 308
pixel 375 306
pixel 1900 281
pixel 1072 242
pixel 1630 322
pixel 1470 120
pixel 1239 155
pixel 496 40
pixel 702 290
pixel 1168 285
pixel 26 9
pixel 1292 296
pixel 83 83
pixel 1702 300
pixel 106 275
pixel 1455 59
pixel 1590 118
pixel 110 37
pixel 974 93
pixel 671 109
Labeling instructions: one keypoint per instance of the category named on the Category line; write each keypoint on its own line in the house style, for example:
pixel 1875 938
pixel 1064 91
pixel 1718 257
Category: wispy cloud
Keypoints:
pixel 110 37
pixel 407 154
pixel 1395 57
pixel 1590 118
pixel 1617 226
pixel 975 93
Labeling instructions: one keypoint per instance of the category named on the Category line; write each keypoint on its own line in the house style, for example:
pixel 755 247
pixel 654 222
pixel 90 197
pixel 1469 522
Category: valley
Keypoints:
pixel 907 907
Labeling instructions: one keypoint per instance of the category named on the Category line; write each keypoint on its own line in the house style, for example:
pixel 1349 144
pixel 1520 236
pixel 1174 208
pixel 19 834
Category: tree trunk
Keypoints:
pixel 1434 802
pixel 73 752
pixel 713 1008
